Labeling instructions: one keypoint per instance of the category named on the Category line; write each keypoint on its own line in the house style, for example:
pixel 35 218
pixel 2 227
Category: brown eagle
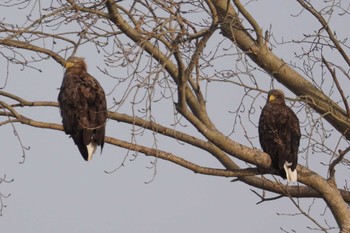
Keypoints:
pixel 279 135
pixel 82 103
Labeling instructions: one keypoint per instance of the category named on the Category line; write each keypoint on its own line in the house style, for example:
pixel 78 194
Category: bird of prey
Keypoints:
pixel 83 107
pixel 279 135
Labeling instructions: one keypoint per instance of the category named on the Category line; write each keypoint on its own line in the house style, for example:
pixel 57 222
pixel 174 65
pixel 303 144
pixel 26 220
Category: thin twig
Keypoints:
pixel 332 71
pixel 331 169
pixel 263 198
pixel 252 21
pixel 307 6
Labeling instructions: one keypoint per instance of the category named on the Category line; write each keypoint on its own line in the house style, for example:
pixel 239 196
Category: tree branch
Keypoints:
pixel 233 29
pixel 331 169
pixel 232 170
pixel 30 47
pixel 341 92
pixel 307 6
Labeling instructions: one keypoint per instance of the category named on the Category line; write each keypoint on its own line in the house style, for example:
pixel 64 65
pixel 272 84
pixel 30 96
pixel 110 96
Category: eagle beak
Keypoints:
pixel 69 64
pixel 272 98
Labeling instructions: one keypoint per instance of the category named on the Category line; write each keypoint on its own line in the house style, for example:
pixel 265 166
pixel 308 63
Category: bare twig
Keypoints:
pixel 263 198
pixel 252 21
pixel 331 169
pixel 335 79
pixel 307 6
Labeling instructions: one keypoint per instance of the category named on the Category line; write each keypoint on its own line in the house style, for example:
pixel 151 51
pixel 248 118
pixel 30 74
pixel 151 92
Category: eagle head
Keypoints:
pixel 275 95
pixel 76 63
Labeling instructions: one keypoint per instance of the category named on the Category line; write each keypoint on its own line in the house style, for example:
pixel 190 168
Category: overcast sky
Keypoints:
pixel 55 190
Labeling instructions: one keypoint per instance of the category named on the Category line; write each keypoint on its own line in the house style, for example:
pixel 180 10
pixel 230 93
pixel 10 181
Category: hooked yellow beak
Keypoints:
pixel 69 64
pixel 272 98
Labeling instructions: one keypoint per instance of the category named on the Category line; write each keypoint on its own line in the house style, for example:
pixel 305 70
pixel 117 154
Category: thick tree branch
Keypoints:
pixel 232 170
pixel 154 51
pixel 180 54
pixel 252 21
pixel 233 29
pixel 244 175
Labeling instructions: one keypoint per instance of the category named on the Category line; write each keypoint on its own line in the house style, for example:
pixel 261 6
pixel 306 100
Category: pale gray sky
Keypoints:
pixel 55 190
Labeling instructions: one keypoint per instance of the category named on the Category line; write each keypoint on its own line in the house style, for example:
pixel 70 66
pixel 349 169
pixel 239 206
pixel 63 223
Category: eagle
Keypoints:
pixel 83 108
pixel 279 135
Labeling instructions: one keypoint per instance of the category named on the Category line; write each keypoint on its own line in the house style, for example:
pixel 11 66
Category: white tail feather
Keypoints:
pixel 291 175
pixel 91 148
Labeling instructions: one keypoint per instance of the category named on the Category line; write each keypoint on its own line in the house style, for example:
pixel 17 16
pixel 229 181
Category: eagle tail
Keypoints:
pixel 290 175
pixel 91 148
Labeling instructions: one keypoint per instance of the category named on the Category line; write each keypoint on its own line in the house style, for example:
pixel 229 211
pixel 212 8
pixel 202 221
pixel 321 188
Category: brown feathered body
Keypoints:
pixel 279 134
pixel 82 103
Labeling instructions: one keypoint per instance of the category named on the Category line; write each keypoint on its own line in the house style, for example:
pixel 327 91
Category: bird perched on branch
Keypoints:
pixel 83 107
pixel 279 134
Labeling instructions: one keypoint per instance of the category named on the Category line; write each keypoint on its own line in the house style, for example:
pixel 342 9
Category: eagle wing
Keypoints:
pixel 93 115
pixel 293 122
pixel 268 134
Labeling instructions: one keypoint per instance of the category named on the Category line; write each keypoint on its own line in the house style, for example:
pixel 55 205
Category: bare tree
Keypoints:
pixel 180 53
